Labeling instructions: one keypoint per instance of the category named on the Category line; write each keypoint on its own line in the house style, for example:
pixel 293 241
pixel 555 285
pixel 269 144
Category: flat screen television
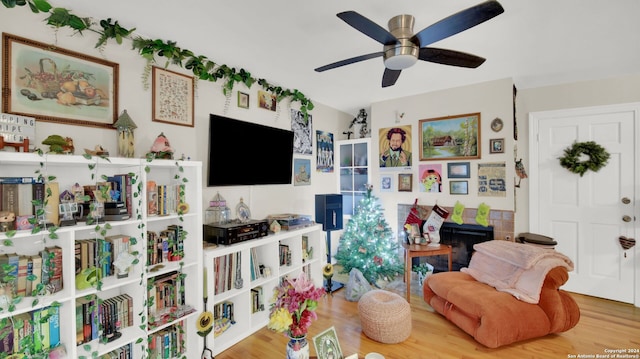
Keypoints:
pixel 243 153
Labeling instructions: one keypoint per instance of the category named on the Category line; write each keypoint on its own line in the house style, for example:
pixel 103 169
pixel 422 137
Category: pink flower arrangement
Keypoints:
pixel 293 306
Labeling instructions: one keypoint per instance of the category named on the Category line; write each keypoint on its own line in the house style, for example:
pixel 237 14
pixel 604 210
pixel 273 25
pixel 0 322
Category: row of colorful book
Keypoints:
pixel 36 332
pixel 166 299
pixel 102 254
pixel 162 199
pixel 102 319
pixel 167 343
pixel 166 245
pixel 227 272
pixel 31 275
pixel 223 317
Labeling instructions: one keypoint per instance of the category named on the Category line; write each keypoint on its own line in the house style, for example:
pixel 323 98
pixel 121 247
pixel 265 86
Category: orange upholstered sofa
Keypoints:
pixel 496 318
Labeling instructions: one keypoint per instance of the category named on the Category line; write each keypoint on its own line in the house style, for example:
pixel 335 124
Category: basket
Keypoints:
pixel 47 80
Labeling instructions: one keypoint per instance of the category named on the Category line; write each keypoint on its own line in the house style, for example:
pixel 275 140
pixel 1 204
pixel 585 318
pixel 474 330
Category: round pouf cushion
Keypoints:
pixel 385 316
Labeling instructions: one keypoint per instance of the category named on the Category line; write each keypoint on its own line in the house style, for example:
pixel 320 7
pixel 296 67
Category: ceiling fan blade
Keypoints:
pixel 349 61
pixel 458 22
pixel 390 77
pixel 450 57
pixel 368 27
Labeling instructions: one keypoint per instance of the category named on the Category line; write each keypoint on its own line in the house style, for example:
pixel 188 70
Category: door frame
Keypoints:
pixel 534 118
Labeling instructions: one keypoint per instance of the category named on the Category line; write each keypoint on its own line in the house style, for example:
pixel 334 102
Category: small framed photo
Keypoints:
pixel 243 100
pixel 405 182
pixel 459 187
pixel 496 145
pixel 386 183
pixel 327 345
pixel 458 170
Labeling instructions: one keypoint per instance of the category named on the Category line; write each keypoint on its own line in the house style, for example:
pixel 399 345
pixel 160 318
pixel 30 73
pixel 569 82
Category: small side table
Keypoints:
pixel 421 250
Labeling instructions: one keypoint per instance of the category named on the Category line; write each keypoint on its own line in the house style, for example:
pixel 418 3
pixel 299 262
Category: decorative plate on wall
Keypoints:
pixel 496 124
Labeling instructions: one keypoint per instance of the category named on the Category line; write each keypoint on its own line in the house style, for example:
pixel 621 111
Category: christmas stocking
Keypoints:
pixel 457 212
pixel 482 217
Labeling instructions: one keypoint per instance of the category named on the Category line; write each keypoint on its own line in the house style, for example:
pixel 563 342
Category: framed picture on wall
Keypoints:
pixel 496 145
pixel 450 138
pixel 405 182
pixel 172 97
pixel 459 170
pixel 243 100
pixel 459 187
pixel 57 85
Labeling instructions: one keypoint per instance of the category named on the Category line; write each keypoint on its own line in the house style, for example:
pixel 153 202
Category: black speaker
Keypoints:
pixel 329 211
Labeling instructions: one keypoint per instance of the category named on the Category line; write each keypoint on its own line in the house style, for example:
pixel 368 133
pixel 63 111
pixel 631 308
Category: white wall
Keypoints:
pixel 192 142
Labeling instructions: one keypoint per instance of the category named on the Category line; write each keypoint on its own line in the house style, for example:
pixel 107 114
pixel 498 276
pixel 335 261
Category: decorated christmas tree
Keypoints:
pixel 368 244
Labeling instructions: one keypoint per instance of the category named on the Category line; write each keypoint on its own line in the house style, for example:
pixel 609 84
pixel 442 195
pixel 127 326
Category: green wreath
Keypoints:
pixel 598 157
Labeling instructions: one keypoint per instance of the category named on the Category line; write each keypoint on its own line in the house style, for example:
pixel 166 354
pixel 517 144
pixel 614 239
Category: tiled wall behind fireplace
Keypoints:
pixel 502 221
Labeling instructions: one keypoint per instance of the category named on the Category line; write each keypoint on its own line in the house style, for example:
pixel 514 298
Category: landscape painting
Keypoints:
pixel 450 138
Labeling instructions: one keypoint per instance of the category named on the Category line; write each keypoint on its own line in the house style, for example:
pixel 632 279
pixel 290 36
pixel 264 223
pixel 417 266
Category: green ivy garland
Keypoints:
pixel 598 157
pixel 202 67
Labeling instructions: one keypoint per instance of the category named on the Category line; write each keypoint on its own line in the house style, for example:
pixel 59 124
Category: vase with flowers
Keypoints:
pixel 292 311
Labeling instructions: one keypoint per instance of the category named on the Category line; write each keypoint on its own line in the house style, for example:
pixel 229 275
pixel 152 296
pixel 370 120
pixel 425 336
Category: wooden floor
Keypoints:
pixel 603 325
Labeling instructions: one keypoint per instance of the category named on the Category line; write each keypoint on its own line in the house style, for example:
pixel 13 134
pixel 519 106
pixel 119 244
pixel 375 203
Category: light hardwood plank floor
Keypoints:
pixel 604 325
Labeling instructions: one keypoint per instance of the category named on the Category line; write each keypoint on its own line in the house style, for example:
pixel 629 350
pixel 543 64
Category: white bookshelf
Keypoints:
pixel 70 169
pixel 267 249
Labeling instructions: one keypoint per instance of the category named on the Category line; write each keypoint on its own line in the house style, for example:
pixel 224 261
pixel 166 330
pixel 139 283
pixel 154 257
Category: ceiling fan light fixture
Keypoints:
pixel 400 62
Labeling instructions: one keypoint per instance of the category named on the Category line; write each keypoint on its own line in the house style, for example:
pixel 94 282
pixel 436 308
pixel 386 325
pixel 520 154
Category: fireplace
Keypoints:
pixel 461 237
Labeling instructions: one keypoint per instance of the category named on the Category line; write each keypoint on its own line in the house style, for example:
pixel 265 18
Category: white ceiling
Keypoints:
pixel 535 42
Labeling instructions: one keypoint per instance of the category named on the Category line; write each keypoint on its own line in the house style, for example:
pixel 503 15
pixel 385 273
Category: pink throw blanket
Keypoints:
pixel 515 268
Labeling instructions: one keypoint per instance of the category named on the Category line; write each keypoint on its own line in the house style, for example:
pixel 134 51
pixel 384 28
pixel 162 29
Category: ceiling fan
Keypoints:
pixel 402 48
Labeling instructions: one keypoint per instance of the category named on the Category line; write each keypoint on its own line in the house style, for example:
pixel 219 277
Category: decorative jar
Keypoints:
pixel 298 348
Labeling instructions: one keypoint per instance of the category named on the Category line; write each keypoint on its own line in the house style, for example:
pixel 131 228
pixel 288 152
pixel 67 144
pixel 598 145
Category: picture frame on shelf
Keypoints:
pixel 459 187
pixel 405 182
pixel 45 81
pixel 450 138
pixel 327 345
pixel 496 145
pixel 459 170
pixel 172 97
pixel 243 99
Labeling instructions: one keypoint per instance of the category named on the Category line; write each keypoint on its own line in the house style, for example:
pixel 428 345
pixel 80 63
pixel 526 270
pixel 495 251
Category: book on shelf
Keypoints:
pixel 10 198
pixel 53 267
pixel 54 326
pixel 22 329
pixel 36 273
pixel 23 262
pixel 152 198
pixel 6 339
pixel 51 209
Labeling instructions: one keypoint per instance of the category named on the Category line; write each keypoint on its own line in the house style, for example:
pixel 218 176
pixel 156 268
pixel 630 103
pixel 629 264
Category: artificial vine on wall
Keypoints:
pixel 201 67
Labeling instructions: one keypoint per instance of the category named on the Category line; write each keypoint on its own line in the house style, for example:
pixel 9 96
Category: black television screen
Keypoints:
pixel 245 153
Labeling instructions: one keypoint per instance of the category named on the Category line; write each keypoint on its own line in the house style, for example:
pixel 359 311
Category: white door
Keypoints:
pixel 585 214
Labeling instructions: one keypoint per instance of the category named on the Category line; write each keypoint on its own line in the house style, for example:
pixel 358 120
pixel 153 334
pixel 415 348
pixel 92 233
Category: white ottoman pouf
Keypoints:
pixel 385 316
